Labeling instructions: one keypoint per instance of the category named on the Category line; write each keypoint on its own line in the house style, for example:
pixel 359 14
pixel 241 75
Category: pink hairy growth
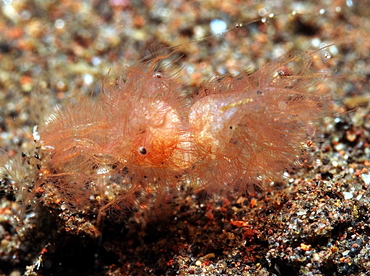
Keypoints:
pixel 142 137
pixel 132 140
pixel 251 127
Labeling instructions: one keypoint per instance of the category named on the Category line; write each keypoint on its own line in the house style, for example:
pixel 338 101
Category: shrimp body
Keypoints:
pixel 250 127
pixel 140 129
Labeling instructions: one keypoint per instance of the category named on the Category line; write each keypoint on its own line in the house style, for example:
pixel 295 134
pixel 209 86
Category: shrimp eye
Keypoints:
pixel 157 75
pixel 142 150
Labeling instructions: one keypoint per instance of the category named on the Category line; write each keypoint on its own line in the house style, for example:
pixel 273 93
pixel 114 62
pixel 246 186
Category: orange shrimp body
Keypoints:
pixel 159 136
pixel 250 127
pixel 238 131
